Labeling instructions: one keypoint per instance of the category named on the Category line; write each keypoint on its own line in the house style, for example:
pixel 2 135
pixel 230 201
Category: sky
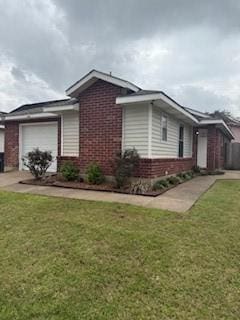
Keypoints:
pixel 189 49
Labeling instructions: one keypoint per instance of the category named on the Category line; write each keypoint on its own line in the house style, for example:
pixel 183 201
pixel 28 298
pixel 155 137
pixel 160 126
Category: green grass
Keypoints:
pixel 70 259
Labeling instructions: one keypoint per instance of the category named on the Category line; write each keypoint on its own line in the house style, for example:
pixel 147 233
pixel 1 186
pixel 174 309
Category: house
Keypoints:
pixel 234 125
pixel 1 134
pixel 105 114
pixel 1 139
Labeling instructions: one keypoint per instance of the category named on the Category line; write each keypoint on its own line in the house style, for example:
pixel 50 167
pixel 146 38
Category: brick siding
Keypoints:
pixel 100 126
pixel 153 168
pixel 215 148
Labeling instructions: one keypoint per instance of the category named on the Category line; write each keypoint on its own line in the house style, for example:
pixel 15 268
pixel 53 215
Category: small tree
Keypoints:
pixel 124 165
pixel 69 171
pixel 38 162
pixel 94 174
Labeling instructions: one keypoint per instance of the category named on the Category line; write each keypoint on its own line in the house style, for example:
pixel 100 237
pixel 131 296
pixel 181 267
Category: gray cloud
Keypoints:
pixel 188 48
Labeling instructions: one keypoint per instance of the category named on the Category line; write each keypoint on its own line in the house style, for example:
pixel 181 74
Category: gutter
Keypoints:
pixel 28 116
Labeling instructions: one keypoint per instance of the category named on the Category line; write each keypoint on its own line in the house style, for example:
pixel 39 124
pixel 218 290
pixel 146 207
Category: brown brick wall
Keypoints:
pixel 100 125
pixel 11 151
pixel 153 168
pixel 215 148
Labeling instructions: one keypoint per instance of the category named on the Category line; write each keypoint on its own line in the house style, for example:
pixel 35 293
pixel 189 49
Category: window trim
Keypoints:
pixel 163 115
pixel 181 140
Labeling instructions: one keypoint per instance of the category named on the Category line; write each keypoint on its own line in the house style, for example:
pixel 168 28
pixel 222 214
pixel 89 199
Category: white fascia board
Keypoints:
pixel 30 116
pixel 72 107
pixel 152 97
pixel 196 113
pixel 217 121
pixel 104 77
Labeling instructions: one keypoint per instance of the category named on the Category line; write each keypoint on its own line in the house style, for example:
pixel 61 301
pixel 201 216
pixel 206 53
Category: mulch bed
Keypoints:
pixel 107 187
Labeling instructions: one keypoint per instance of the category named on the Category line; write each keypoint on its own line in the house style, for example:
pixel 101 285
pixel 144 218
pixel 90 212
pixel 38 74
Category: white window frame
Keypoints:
pixel 182 140
pixel 163 115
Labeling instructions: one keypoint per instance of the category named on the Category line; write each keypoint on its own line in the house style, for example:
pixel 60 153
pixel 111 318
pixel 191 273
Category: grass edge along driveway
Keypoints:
pixel 72 259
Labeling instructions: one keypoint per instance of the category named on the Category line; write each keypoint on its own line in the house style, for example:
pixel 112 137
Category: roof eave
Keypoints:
pixel 59 109
pixel 93 76
pixel 154 97
pixel 220 123
pixel 28 116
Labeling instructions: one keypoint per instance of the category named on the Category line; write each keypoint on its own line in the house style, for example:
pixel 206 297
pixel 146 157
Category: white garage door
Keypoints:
pixel 42 136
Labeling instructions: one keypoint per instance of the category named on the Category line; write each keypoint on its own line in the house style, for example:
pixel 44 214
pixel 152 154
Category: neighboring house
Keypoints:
pixel 2 134
pixel 104 115
pixel 1 138
pixel 234 125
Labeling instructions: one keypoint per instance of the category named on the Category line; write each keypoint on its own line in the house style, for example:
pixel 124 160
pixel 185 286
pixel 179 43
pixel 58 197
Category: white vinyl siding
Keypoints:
pixel 169 148
pixel 142 129
pixel 1 140
pixel 188 141
pixel 70 134
pixel 135 128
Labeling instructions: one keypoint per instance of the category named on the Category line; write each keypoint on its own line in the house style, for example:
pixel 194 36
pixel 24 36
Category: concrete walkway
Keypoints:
pixel 179 199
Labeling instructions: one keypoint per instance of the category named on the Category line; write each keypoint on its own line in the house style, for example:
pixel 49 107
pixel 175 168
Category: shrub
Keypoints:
pixel 160 184
pixel 124 165
pixel 69 171
pixel 173 180
pixel 181 175
pixel 94 174
pixel 196 169
pixel 38 162
pixel 190 174
pixel 139 187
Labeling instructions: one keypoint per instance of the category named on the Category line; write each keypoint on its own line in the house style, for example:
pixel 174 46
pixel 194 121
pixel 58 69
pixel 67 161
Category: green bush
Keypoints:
pixel 124 165
pixel 196 169
pixel 188 176
pixel 69 171
pixel 173 180
pixel 94 174
pixel 181 176
pixel 38 162
pixel 160 184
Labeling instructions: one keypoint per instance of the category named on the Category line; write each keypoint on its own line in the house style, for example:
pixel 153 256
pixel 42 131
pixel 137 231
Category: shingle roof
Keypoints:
pixel 38 107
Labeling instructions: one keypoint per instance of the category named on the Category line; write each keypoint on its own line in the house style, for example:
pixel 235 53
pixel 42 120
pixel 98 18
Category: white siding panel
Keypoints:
pixel 169 148
pixel 135 130
pixel 70 134
pixel 188 141
pixel 1 140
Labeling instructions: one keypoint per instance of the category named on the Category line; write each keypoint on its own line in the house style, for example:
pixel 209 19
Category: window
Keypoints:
pixel 181 142
pixel 164 128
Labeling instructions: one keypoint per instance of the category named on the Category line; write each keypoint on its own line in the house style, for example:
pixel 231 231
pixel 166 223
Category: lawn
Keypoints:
pixel 70 259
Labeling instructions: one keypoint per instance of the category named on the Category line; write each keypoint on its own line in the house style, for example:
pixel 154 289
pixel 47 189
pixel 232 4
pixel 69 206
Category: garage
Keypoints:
pixel 38 135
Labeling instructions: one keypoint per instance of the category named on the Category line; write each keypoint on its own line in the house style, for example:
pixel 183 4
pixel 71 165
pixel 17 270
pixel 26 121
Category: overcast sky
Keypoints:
pixel 188 48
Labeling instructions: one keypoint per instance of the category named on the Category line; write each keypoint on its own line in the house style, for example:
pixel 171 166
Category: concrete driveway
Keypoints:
pixel 9 178
pixel 179 199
